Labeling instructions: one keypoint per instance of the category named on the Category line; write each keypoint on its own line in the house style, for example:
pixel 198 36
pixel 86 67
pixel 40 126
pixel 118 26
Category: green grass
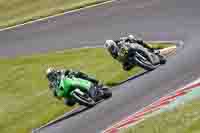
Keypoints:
pixel 184 119
pixel 25 100
pixel 161 45
pixel 13 12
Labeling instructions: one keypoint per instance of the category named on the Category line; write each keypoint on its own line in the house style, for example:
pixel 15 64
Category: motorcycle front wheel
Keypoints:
pixel 141 59
pixel 84 100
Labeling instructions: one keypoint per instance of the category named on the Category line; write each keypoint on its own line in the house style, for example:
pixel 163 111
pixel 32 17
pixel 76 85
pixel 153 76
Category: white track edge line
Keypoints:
pixel 56 15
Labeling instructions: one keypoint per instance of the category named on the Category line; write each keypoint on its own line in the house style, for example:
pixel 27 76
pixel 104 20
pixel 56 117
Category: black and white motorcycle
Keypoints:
pixel 148 60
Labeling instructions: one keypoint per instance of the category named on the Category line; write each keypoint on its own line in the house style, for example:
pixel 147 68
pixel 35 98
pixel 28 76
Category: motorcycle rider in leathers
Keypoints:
pixel 116 47
pixel 54 76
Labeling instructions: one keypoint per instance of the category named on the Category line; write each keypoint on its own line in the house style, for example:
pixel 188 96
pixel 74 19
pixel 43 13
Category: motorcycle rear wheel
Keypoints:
pixel 106 93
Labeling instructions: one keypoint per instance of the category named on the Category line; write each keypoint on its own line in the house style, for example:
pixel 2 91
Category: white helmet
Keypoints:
pixel 109 43
pixel 112 47
pixel 131 37
pixel 51 74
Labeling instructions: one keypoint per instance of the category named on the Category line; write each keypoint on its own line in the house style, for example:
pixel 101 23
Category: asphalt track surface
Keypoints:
pixel 153 19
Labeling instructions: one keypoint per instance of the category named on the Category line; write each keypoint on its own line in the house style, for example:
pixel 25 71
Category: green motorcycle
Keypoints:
pixel 82 91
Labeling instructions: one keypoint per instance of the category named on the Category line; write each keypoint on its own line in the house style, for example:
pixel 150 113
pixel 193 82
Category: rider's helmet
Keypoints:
pixel 51 74
pixel 131 38
pixel 112 47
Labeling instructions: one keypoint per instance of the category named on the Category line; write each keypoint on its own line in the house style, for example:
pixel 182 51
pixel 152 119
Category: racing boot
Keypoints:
pixel 162 59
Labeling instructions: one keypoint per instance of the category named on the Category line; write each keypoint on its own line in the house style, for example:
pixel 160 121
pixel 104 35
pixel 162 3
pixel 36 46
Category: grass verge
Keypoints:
pixel 20 11
pixel 25 100
pixel 183 119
